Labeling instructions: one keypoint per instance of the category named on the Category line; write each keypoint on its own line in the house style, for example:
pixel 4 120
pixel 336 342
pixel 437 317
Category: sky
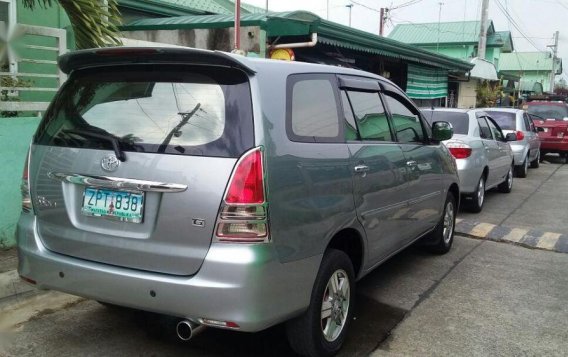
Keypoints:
pixel 536 19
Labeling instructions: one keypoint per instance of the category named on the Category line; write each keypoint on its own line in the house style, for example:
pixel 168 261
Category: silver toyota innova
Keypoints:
pixel 229 192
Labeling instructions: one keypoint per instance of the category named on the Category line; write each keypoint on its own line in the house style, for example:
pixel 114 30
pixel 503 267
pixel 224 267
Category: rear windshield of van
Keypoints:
pixel 179 110
pixel 459 120
pixel 505 120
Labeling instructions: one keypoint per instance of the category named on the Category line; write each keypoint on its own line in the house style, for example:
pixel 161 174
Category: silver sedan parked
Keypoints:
pixel 526 149
pixel 483 155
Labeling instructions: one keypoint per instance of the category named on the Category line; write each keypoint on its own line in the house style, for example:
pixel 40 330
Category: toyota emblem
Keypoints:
pixel 110 163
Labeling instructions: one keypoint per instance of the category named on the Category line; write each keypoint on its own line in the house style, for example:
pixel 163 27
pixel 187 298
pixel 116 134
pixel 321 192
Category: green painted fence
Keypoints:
pixel 15 136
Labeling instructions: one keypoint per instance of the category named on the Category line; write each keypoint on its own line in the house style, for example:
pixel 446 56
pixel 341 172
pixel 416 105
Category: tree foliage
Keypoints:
pixel 95 22
pixel 487 93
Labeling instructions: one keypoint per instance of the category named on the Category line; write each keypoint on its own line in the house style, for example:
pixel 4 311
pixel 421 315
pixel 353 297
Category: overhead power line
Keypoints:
pixel 515 24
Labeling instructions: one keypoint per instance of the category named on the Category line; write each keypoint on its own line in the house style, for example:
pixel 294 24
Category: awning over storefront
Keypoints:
pixel 483 69
pixel 302 23
pixel 426 83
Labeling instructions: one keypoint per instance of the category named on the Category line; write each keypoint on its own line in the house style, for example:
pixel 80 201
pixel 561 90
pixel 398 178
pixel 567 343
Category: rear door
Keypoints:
pixel 531 136
pixel 423 164
pixel 492 151
pixel 378 166
pixel 180 130
pixel 504 158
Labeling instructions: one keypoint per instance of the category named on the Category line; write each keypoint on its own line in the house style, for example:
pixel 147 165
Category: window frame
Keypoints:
pixel 389 122
pixel 491 121
pixel 483 117
pixel 291 80
pixel 408 104
pixel 528 122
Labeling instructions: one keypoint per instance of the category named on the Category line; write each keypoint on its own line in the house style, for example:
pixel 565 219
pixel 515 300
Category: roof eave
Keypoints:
pixel 340 32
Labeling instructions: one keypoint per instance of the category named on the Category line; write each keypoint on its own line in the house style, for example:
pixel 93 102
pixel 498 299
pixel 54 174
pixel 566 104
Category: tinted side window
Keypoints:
pixel 495 130
pixel 312 109
pixel 370 115
pixel 405 119
pixel 484 131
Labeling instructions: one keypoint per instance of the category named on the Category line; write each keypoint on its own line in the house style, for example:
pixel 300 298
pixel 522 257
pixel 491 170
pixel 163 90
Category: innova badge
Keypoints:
pixel 110 163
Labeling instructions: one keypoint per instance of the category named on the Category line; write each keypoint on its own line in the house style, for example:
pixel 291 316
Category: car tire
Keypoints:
pixel 523 170
pixel 542 154
pixel 507 185
pixel 536 162
pixel 442 237
pixel 478 197
pixel 309 334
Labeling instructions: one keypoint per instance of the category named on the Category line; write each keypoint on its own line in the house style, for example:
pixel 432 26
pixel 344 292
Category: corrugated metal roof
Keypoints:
pixel 192 7
pixel 444 32
pixel 213 21
pixel 525 61
pixel 211 6
pixel 501 38
pixel 303 23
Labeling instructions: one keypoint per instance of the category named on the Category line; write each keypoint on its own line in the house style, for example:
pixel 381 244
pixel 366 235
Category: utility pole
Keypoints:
pixel 327 11
pixel 554 54
pixel 483 29
pixel 384 14
pixel 350 6
pixel 266 6
pixel 439 19
pixel 237 39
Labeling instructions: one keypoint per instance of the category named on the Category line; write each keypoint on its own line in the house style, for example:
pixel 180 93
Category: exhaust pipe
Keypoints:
pixel 186 330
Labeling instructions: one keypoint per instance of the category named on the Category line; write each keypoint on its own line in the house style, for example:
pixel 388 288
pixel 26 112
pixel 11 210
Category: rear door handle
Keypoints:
pixel 361 168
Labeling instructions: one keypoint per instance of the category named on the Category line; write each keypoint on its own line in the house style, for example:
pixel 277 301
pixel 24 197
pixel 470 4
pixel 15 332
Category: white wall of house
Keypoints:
pixel 467 96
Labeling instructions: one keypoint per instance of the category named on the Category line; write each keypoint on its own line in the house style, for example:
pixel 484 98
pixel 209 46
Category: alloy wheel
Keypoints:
pixel 448 222
pixel 481 192
pixel 510 178
pixel 335 305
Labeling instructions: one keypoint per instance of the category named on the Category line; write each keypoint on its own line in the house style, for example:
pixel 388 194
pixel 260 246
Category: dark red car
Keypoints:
pixel 551 119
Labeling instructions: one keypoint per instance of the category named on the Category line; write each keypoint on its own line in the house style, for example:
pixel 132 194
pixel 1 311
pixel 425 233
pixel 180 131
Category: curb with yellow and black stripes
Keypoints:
pixel 532 238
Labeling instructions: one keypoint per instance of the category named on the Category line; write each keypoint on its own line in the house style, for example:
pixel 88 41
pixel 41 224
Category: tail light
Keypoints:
pixel 25 187
pixel 520 135
pixel 459 150
pixel 243 215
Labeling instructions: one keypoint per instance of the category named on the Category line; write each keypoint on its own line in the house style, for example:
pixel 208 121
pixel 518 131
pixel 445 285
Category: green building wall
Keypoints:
pixel 15 136
pixel 53 17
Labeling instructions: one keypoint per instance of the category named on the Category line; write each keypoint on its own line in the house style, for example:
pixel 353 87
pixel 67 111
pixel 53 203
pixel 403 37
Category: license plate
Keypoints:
pixel 117 205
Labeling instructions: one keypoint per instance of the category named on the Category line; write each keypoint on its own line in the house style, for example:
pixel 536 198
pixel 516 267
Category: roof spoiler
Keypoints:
pixel 113 56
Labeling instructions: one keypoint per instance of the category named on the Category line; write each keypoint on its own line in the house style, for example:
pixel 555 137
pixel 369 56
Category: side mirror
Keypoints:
pixel 442 130
pixel 511 137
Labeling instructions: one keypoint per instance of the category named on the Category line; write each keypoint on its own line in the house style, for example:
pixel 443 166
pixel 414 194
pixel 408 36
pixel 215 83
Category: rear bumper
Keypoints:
pixel 520 152
pixel 245 284
pixel 554 145
pixel 469 173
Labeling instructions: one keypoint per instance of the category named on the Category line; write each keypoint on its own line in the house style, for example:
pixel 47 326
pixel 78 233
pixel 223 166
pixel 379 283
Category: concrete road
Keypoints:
pixel 483 298
pixel 538 201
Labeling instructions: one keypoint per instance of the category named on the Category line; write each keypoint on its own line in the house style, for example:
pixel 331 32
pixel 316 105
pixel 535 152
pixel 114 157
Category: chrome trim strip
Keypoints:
pixel 117 183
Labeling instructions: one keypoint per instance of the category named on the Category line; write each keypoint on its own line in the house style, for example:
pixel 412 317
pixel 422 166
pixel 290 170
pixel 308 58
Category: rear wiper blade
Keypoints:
pixel 108 137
